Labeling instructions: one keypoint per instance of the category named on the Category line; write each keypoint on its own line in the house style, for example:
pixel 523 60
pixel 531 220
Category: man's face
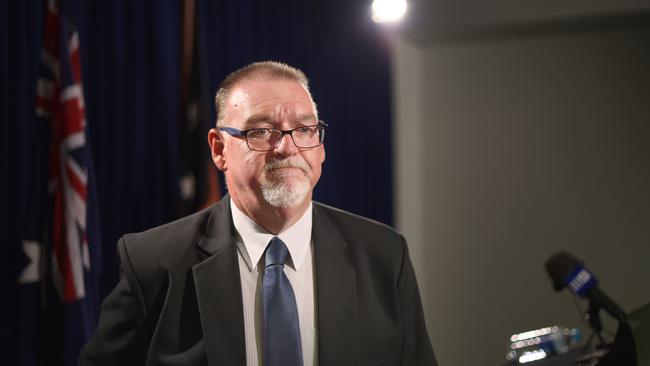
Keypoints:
pixel 281 178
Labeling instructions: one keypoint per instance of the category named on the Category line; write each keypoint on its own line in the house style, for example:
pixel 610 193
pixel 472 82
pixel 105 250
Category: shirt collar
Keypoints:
pixel 255 238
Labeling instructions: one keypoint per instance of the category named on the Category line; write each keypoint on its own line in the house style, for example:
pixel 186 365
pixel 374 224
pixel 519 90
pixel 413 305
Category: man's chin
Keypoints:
pixel 285 195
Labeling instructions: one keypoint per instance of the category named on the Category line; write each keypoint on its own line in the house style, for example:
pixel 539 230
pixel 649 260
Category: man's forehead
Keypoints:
pixel 238 97
pixel 247 90
pixel 268 84
pixel 260 99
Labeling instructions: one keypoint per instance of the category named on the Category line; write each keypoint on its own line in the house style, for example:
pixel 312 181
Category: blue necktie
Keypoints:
pixel 282 346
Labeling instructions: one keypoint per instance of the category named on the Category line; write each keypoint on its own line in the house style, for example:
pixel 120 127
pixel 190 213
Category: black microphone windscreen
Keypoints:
pixel 559 266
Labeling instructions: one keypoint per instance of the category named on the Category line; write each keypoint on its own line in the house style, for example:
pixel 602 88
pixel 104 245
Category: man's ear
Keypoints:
pixel 216 143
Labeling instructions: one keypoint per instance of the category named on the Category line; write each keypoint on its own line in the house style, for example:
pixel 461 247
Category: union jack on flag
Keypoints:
pixel 60 100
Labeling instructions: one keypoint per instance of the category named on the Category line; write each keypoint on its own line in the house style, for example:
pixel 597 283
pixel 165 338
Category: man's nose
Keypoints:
pixel 286 146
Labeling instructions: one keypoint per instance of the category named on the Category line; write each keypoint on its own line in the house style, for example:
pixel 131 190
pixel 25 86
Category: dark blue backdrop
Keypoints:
pixel 131 62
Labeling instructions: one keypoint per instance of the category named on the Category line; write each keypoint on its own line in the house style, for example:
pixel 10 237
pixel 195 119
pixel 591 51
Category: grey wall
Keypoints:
pixel 508 150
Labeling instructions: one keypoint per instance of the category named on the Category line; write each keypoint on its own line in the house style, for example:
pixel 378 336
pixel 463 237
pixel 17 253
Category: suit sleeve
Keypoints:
pixel 119 338
pixel 416 346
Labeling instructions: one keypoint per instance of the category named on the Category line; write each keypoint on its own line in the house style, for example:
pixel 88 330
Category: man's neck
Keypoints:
pixel 275 220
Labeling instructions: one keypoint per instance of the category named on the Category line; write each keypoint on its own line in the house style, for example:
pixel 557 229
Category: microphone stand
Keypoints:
pixel 593 317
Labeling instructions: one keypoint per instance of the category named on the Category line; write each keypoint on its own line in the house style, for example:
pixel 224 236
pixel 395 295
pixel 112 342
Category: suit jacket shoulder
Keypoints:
pixel 368 242
pixel 356 225
pixel 153 311
pixel 153 253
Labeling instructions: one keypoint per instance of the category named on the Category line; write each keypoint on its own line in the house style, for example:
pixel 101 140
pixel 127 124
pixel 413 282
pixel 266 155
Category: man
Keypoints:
pixel 265 276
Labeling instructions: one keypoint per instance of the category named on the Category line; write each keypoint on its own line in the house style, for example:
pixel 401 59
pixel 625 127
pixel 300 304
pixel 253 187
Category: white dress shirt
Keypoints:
pixel 252 240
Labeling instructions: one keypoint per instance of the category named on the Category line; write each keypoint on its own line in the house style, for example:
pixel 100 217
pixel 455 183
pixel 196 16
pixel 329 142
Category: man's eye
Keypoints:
pixel 260 133
pixel 304 130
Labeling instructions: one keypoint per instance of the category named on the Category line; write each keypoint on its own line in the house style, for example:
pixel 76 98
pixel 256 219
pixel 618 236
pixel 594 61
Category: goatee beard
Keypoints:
pixel 281 194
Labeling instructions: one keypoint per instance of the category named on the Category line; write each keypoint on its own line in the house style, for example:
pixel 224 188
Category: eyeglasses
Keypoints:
pixel 267 139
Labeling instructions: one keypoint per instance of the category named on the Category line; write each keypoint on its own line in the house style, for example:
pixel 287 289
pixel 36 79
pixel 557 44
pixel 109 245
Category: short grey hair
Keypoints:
pixel 263 69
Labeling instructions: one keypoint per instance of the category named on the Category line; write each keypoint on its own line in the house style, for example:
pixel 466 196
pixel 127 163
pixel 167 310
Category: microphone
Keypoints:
pixel 567 271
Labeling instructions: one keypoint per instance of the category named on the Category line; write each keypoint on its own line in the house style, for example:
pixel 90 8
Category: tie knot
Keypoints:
pixel 276 252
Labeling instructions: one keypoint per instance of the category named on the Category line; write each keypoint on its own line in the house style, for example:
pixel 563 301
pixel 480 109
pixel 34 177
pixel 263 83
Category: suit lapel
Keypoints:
pixel 218 290
pixel 335 288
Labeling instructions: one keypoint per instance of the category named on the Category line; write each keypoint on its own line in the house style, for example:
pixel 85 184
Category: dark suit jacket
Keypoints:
pixel 179 302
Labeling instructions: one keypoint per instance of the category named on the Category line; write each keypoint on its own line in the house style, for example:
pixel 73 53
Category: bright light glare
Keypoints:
pixel 532 356
pixel 384 11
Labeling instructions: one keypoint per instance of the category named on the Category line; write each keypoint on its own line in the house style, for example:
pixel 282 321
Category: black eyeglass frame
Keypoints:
pixel 244 134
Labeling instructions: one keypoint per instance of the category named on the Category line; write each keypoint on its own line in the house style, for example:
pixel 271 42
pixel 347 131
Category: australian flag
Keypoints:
pixel 62 241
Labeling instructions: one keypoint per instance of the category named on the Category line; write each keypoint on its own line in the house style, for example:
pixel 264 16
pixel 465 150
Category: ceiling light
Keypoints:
pixel 388 11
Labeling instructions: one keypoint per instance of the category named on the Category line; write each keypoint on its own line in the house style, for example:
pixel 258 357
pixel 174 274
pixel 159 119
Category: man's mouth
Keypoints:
pixel 288 168
pixel 286 171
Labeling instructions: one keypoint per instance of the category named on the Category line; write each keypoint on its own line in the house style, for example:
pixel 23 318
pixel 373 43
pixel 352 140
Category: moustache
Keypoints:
pixel 286 163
